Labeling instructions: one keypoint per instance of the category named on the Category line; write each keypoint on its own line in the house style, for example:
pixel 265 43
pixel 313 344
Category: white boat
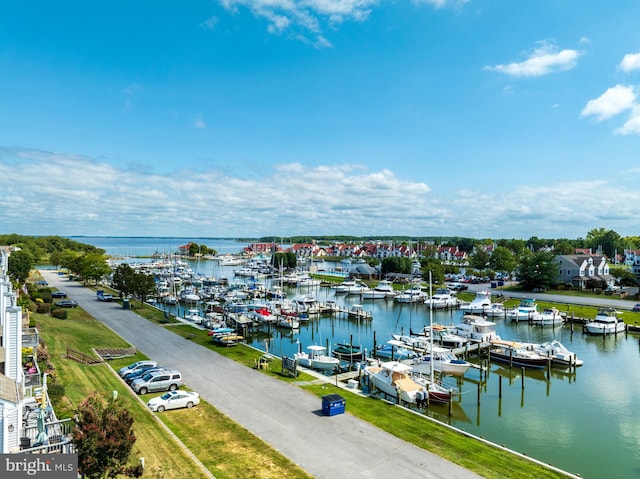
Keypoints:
pixel 559 354
pixel 548 317
pixel 356 311
pixel 194 316
pixel 445 336
pixel 479 304
pixel 497 310
pixel 442 299
pixel 442 360
pixel 527 310
pixel 344 286
pixel 395 349
pixel 607 321
pixel 393 379
pixel 316 359
pixel 358 288
pixel 384 289
pixel 476 328
pixel 287 321
pixel 415 294
pixel 516 354
pixel 262 315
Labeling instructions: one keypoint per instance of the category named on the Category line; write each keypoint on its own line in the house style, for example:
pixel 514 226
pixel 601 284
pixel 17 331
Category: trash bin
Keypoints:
pixel 332 404
pixel 125 304
pixel 494 285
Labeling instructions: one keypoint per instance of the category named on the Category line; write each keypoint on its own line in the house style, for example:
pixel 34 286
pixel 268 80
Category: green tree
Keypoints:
pixel 608 240
pixel 479 260
pixel 436 268
pixel 396 264
pixel 123 279
pixel 94 266
pixel 21 263
pixel 104 438
pixel 538 270
pixel 564 247
pixel 624 276
pixel 502 259
pixel 143 286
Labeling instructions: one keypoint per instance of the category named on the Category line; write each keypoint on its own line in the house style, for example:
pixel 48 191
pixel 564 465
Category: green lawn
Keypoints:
pixel 224 447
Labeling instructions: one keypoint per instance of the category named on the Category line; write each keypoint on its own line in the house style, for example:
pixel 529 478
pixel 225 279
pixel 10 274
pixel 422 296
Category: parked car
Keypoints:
pixel 66 303
pixel 636 308
pixel 132 376
pixel 158 381
pixel 174 400
pixel 102 296
pixel 123 371
pixel 58 294
pixel 42 283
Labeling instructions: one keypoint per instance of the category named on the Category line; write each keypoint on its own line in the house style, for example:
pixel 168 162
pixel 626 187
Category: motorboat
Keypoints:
pixel 194 316
pixel 527 310
pixel 442 299
pixel 497 310
pixel 607 321
pixel 348 352
pixel 479 304
pixel 516 354
pixel 383 290
pixel 356 311
pixel 344 287
pixel 393 379
pixel 445 336
pixel 476 328
pixel 287 321
pixel 395 349
pixel 357 288
pixel 415 294
pixel 443 360
pixel 317 359
pixel 559 354
pixel 262 315
pixel 548 317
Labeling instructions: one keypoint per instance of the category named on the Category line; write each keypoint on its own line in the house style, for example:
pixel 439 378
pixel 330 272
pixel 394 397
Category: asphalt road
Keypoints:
pixel 283 415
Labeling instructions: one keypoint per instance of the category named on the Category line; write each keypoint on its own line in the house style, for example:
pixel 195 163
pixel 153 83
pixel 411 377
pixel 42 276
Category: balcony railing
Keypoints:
pixel 30 338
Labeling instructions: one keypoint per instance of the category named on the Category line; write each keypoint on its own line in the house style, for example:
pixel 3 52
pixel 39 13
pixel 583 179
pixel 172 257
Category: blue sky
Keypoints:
pixel 474 118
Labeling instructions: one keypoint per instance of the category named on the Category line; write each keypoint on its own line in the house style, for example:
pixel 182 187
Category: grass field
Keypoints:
pixel 224 447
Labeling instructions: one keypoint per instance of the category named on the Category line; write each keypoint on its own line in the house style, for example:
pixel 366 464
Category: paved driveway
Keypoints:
pixel 281 414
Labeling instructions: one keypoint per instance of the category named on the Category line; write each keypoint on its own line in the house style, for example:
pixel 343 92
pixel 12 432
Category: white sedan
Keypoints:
pixel 174 400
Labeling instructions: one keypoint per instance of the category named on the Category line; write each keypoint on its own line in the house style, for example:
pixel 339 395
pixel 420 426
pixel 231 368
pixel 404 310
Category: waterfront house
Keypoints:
pixel 577 269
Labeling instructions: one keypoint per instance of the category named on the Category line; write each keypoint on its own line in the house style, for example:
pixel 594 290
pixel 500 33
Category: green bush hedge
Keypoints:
pixel 59 313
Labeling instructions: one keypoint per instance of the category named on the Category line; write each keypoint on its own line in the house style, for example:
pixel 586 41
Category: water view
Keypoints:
pixel 583 422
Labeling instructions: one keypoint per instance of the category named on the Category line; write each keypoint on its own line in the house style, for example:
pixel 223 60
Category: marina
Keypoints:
pixel 512 406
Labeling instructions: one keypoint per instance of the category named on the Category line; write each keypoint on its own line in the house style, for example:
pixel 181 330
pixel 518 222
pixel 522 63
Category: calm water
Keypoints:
pixel 584 423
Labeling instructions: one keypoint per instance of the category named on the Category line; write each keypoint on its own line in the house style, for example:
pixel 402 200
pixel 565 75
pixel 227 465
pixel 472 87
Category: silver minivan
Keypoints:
pixel 158 381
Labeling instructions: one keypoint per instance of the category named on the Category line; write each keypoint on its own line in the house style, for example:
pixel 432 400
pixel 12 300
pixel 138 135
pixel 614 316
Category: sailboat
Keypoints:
pixel 437 393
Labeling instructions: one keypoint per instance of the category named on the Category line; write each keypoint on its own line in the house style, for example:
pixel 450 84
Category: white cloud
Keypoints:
pixel 545 59
pixel 612 102
pixel 312 16
pixel 210 23
pixel 49 193
pixel 632 125
pixel 630 62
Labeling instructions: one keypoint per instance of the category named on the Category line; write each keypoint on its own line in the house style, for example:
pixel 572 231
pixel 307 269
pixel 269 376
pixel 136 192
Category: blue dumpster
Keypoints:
pixel 332 404
pixel 494 285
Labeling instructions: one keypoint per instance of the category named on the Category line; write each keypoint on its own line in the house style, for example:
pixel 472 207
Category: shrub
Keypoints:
pixel 59 313
pixel 43 308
